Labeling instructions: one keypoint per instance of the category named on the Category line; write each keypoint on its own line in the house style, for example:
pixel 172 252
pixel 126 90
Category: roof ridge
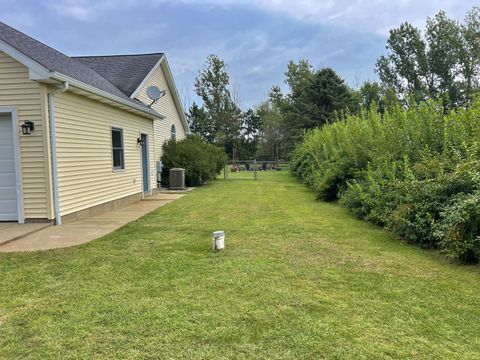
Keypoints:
pixel 116 55
pixel 100 75
pixel 21 32
pixel 76 68
pixel 135 67
pixel 59 52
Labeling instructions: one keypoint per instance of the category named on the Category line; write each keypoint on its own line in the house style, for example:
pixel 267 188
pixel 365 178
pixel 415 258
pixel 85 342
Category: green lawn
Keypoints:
pixel 299 279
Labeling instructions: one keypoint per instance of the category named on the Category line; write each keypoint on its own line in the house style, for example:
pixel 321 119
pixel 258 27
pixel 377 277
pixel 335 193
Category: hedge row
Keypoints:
pixel 415 171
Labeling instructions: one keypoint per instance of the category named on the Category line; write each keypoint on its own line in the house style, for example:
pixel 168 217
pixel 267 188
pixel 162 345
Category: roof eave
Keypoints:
pixel 38 72
pixel 91 89
pixel 176 96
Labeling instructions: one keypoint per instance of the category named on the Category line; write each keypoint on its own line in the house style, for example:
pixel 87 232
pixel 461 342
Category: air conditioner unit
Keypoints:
pixel 177 179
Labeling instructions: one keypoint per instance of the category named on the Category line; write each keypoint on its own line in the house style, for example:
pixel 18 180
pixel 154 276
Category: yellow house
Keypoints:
pixel 80 135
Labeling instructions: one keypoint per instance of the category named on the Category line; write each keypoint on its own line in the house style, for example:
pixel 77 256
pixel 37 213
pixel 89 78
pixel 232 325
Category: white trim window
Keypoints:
pixel 118 151
pixel 173 132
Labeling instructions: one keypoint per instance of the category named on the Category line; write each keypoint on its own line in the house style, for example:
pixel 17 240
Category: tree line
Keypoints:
pixel 440 63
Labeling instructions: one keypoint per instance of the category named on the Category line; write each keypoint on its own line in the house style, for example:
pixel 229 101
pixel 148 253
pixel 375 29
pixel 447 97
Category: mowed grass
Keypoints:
pixel 299 279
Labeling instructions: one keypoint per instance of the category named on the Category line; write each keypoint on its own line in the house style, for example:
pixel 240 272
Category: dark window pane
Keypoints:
pixel 117 148
pixel 118 158
pixel 117 138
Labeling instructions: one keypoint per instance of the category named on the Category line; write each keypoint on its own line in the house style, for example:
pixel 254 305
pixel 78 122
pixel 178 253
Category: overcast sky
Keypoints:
pixel 255 38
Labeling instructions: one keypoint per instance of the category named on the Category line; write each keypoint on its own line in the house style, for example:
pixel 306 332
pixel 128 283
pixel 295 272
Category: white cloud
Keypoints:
pixel 255 70
pixel 82 10
pixel 373 16
pixel 77 12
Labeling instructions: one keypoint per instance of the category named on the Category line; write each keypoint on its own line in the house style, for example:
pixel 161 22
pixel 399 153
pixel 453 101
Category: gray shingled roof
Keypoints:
pixel 126 72
pixel 77 69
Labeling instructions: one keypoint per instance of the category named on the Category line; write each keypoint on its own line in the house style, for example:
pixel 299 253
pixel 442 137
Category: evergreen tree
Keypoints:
pixel 200 123
pixel 321 100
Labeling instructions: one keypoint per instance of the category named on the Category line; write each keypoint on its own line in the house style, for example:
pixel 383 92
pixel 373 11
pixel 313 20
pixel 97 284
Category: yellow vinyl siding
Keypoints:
pixel 164 106
pixel 17 90
pixel 84 152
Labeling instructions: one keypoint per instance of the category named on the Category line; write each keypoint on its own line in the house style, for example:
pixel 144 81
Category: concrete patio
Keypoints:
pixel 32 237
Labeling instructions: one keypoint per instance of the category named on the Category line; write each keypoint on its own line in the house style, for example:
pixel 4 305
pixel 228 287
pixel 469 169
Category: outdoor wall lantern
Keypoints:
pixel 27 127
pixel 140 141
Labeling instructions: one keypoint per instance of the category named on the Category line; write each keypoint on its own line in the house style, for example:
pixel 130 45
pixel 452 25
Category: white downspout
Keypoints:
pixel 53 141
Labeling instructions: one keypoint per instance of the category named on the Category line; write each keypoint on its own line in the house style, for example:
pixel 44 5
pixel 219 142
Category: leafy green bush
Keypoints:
pixel 458 230
pixel 202 162
pixel 408 170
pixel 375 194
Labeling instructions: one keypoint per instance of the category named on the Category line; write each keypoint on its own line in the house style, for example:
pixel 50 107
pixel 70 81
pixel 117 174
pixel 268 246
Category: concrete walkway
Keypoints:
pixel 46 237
pixel 10 231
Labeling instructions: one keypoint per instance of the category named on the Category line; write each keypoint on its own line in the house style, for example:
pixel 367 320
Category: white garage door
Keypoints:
pixel 8 191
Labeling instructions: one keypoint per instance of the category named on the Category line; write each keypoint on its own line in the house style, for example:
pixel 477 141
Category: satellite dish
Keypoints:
pixel 154 93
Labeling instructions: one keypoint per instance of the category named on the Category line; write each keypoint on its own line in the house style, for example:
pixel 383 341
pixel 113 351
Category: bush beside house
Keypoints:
pixel 202 162
pixel 415 171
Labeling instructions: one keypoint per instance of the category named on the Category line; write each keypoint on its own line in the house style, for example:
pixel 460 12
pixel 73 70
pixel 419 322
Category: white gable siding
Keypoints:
pixel 164 106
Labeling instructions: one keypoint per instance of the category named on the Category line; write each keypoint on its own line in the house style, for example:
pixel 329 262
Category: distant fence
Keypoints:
pixel 250 169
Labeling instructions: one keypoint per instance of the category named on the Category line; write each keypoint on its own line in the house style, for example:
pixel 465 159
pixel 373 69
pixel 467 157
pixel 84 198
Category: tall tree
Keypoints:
pixel 443 36
pixel 212 85
pixel 444 63
pixel 406 67
pixel 324 97
pixel 276 96
pixel 299 75
pixel 251 126
pixel 200 123
pixel 470 53
pixel 250 134
pixel 270 146
pixel 371 93
pixel 327 96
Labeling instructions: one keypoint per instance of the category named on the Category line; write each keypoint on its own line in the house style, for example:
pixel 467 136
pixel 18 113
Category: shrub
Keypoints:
pixel 432 186
pixel 202 162
pixel 408 170
pixel 375 194
pixel 458 230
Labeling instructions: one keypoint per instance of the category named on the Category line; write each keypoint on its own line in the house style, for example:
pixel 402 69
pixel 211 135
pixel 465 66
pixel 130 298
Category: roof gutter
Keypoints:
pixel 53 141
pixel 91 89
